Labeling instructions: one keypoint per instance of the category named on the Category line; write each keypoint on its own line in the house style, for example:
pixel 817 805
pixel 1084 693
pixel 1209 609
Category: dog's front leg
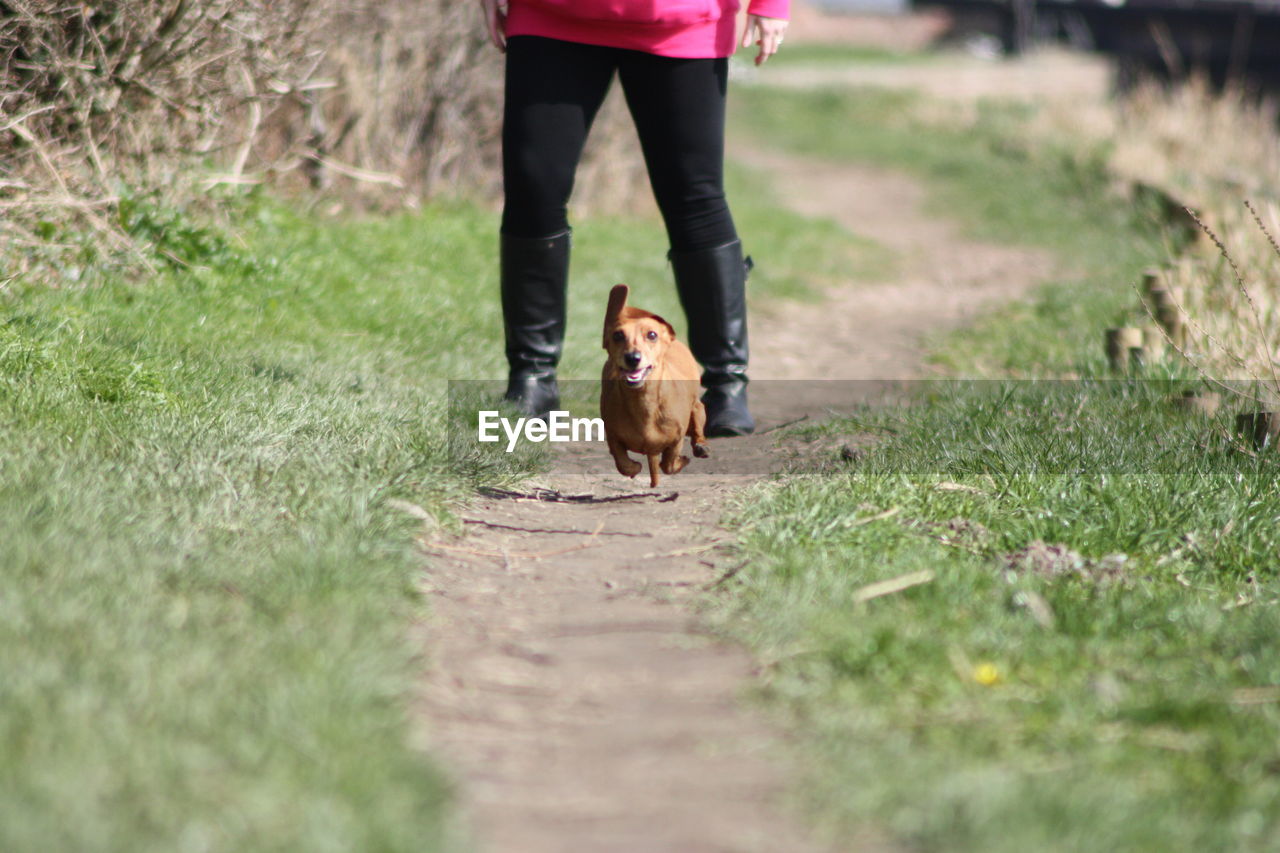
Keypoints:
pixel 627 466
pixel 655 461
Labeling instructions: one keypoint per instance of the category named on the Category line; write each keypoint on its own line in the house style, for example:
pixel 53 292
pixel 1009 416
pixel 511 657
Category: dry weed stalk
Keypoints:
pixel 1210 148
pixel 1224 326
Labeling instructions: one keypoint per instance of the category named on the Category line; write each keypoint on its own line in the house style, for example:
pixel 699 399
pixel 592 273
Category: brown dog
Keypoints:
pixel 649 391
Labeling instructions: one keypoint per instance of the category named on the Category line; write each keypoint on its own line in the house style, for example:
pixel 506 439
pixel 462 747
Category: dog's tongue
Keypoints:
pixel 635 375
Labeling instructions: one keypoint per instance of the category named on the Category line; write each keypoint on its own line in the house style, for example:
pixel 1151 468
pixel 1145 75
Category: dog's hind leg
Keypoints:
pixel 697 423
pixel 672 461
pixel 655 461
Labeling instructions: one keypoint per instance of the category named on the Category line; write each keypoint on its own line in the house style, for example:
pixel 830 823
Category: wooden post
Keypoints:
pixel 1199 402
pixel 1167 305
pixel 1262 429
pixel 1119 343
pixel 1153 341
pixel 1150 282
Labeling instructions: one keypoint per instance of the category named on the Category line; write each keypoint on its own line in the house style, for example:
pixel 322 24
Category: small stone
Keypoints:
pixel 849 453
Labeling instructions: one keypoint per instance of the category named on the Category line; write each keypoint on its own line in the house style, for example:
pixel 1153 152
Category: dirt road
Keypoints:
pixel 572 691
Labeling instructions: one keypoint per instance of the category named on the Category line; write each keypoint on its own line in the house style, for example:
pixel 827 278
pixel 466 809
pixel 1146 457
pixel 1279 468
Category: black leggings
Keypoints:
pixel 553 91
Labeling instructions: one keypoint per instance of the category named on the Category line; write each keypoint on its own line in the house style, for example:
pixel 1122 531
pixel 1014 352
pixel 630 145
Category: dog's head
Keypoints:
pixel 635 339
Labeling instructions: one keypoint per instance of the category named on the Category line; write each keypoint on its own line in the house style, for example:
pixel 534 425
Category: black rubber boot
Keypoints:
pixel 535 278
pixel 712 284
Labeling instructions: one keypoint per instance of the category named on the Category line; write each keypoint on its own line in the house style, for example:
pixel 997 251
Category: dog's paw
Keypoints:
pixel 676 465
pixel 701 451
pixel 630 469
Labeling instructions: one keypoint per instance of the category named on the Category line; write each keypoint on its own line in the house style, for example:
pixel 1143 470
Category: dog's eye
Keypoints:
pixel 619 336
pixel 653 336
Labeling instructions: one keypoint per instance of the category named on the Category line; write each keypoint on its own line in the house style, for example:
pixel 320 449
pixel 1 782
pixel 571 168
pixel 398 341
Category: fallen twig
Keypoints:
pixel 879 516
pixel 959 487
pixel 783 425
pixel 685 552
pixel 889 587
pixel 724 578
pixel 556 496
pixel 498 526
pixel 1037 606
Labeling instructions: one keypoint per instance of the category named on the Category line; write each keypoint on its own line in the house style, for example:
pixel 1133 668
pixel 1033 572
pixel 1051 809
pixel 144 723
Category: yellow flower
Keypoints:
pixel 986 674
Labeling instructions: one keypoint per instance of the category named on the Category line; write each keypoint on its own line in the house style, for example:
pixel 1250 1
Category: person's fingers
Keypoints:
pixel 769 41
pixel 766 32
pixel 498 28
pixel 495 22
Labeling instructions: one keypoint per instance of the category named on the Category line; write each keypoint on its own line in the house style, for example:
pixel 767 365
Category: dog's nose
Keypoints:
pixel 631 359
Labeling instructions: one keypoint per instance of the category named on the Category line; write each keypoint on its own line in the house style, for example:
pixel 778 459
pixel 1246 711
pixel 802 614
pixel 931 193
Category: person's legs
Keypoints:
pixel 678 106
pixel 553 92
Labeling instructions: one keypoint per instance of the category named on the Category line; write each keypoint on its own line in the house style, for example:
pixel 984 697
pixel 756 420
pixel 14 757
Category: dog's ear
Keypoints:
pixel 617 301
pixel 670 329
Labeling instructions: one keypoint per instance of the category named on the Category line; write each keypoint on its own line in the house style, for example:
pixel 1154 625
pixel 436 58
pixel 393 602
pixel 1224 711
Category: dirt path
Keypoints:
pixel 1046 74
pixel 572 691
pixel 874 330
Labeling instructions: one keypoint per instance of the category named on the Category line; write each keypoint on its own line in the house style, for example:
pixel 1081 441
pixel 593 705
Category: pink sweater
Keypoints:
pixel 689 29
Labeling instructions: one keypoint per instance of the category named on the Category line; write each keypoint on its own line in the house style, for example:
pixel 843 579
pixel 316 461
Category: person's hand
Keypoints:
pixel 495 19
pixel 766 32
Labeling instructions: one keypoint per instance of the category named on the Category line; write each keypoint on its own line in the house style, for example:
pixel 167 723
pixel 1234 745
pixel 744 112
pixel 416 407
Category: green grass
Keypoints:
pixel 1119 722
pixel 206 597
pixel 207 605
pixel 981 173
pixel 207 601
pixel 835 54
pixel 1134 703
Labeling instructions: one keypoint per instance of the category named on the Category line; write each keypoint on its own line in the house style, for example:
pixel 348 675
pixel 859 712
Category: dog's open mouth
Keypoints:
pixel 637 376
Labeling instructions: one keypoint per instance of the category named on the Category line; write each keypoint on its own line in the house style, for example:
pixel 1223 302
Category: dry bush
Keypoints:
pixel 93 97
pixel 384 101
pixel 1199 142
pixel 410 97
pixel 93 93
pixel 407 95
pixel 1210 150
pixel 1232 298
pixel 1219 153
